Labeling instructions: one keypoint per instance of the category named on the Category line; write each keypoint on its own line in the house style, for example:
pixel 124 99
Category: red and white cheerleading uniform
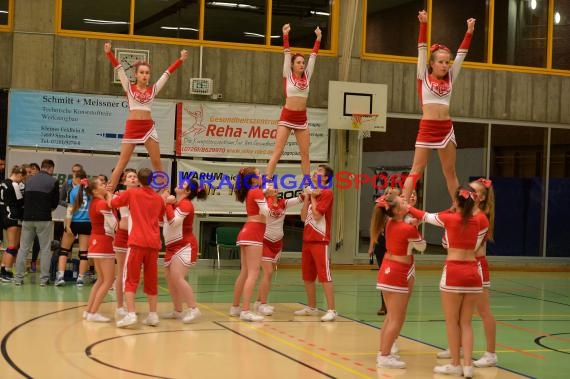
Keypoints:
pixel 138 131
pixel 251 234
pixel 178 233
pixel 120 244
pixel 103 226
pixel 147 209
pixel 295 86
pixel 315 260
pixel 436 134
pixel 459 276
pixel 401 238
pixel 273 238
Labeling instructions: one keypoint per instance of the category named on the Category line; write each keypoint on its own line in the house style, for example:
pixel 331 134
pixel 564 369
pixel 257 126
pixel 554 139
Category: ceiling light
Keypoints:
pixel 178 28
pixel 257 35
pixel 557 18
pixel 533 4
pixel 104 22
pixel 317 13
pixel 232 5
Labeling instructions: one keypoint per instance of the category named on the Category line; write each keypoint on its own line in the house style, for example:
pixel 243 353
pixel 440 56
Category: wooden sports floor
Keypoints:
pixel 44 336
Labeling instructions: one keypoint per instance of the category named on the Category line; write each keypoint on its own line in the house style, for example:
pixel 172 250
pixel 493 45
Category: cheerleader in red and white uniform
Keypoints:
pixel 250 240
pixel 272 246
pixel 461 283
pixel 120 244
pixel 397 273
pixel 435 84
pixel 296 78
pixel 181 249
pixel 485 202
pixel 103 226
pixel 140 126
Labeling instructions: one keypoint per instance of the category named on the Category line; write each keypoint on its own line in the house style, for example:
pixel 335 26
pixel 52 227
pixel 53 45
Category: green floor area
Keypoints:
pixel 532 309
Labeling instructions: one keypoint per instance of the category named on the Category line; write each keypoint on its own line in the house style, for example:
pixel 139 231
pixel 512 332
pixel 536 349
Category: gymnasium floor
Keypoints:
pixel 43 335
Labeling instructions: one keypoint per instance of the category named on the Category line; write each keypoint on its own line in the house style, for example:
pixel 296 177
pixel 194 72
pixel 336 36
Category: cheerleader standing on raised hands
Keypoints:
pixel 435 84
pixel 140 126
pixel 296 78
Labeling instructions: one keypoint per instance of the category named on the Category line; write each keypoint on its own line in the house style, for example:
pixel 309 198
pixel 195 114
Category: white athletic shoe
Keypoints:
pixel 120 313
pixel 448 369
pixel 266 310
pixel 235 311
pixel 250 316
pixel 152 319
pixel 172 315
pixel 190 315
pixel 487 360
pixel 97 317
pixel 468 372
pixel 389 362
pixel 446 354
pixel 394 349
pixel 128 320
pixel 329 316
pixel 307 311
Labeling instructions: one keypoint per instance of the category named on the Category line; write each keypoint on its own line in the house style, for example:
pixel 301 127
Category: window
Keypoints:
pixel 242 21
pixel 392 27
pixel 167 18
pixel 561 38
pixel 520 32
pixel 107 16
pixel 304 17
pixel 449 23
pixel 5 9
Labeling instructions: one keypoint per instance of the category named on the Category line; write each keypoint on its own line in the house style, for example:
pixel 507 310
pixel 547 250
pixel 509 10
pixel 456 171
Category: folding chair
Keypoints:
pixel 226 238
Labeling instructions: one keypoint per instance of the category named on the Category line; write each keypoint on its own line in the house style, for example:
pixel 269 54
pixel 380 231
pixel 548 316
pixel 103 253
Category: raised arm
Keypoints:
pixel 430 218
pixel 117 65
pixel 286 51
pixel 463 49
pixel 164 78
pixel 422 45
pixel 311 64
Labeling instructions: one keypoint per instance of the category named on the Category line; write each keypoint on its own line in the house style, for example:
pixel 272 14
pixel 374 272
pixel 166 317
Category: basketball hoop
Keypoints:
pixel 364 123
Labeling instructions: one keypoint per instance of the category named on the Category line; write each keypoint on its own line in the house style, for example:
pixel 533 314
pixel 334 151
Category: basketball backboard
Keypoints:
pixel 348 98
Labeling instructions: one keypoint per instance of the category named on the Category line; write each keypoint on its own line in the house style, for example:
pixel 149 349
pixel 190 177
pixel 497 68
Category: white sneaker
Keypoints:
pixel 394 349
pixel 468 372
pixel 172 315
pixel 120 313
pixel 446 354
pixel 59 281
pixel 256 306
pixel 266 310
pixel 128 320
pixel 235 311
pixel 329 316
pixel 250 316
pixel 448 370
pixel 152 319
pixel 487 360
pixel 389 362
pixel 191 315
pixel 307 311
pixel 97 317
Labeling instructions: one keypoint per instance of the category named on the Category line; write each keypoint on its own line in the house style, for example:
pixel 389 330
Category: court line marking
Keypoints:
pixel 295 346
pixel 532 331
pixel 520 351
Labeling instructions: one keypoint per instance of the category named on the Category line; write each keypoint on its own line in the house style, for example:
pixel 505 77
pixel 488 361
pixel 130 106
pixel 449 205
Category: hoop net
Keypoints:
pixel 364 123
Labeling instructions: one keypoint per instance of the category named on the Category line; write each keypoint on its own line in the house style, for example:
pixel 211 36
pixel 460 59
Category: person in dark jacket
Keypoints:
pixel 41 198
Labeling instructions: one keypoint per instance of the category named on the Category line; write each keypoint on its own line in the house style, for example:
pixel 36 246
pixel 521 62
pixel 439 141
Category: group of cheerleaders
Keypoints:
pixel 468 224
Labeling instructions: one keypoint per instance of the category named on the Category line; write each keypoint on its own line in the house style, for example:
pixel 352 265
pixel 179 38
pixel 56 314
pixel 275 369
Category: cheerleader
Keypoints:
pixel 435 84
pixel 140 126
pixel 397 273
pixel 181 249
pixel 461 283
pixel 296 78
pixel 103 226
pixel 250 240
